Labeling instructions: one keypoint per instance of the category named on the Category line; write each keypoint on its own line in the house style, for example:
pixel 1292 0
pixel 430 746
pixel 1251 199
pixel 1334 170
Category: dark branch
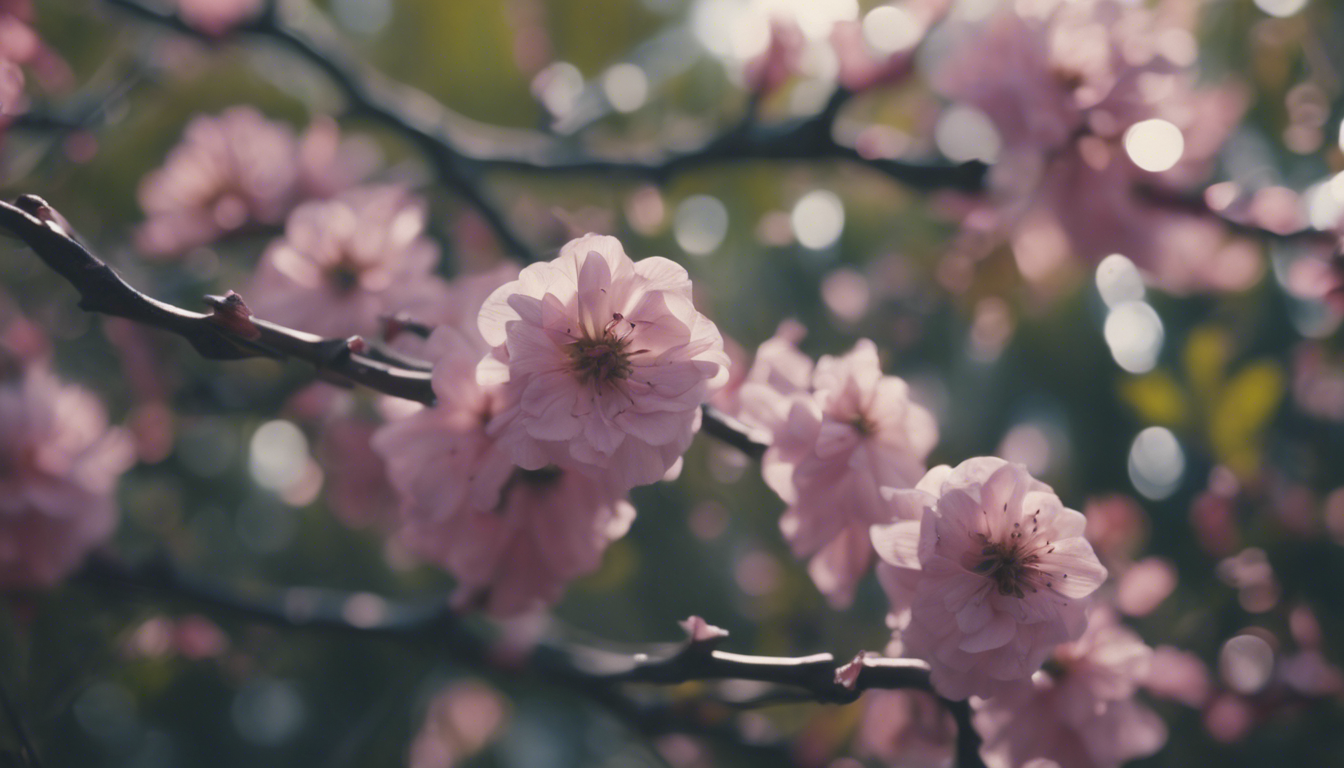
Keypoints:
pixel 596 673
pixel 224 335
pixel 102 290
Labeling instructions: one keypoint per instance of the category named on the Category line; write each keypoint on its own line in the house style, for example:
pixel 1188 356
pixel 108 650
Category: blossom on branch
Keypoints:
pixel 346 262
pixel 513 538
pixel 606 360
pixel 1003 568
pixel 841 432
pixel 1081 711
pixel 59 465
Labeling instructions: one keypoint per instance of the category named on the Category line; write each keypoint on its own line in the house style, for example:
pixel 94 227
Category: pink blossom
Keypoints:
pixel 852 432
pixel 1144 585
pixel 1081 714
pixel 607 361
pixel 1003 571
pixel 329 163
pixel 229 170
pixel 513 538
pixel 905 727
pixel 463 718
pixel 217 17
pixel 1178 675
pixel 239 168
pixel 345 262
pixel 59 465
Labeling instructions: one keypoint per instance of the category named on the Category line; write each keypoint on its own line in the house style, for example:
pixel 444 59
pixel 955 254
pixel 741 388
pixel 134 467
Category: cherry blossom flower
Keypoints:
pixel 59 465
pixel 239 168
pixel 228 170
pixel 217 17
pixel 512 537
pixel 1003 570
pixel 1082 713
pixel 607 361
pixel 849 433
pixel 344 263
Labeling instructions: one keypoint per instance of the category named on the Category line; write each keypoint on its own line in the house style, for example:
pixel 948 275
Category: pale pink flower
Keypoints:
pixel 217 17
pixel 59 465
pixel 346 262
pixel 1082 713
pixel 462 720
pixel 513 538
pixel 330 163
pixel 763 394
pixel 228 171
pixel 1178 675
pixel 1003 570
pixel 854 432
pixel 240 168
pixel 1144 585
pixel 607 361
pixel 905 728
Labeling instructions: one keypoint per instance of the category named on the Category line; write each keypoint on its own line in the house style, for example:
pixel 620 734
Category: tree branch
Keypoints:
pixel 597 673
pixel 224 334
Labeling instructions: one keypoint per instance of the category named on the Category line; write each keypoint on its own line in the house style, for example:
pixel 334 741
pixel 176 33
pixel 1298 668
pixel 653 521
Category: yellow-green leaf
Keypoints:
pixel 1156 398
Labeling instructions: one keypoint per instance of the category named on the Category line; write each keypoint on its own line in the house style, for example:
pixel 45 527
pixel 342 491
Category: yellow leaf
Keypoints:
pixel 1240 413
pixel 1156 398
pixel 1205 357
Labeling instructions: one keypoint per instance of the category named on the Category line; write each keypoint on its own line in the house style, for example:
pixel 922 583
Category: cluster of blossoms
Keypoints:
pixel 987 572
pixel 839 432
pixel 576 381
pixel 59 465
pixel 1098 120
pixel 240 168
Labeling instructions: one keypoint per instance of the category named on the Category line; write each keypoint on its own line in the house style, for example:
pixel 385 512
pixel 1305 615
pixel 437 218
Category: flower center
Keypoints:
pixel 344 277
pixel 604 359
pixel 1007 566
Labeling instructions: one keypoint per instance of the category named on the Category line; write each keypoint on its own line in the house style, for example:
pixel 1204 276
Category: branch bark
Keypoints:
pixel 600 674
pixel 222 335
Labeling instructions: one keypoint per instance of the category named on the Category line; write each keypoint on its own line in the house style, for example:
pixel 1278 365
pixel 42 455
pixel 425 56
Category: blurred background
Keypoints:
pixel 1199 429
